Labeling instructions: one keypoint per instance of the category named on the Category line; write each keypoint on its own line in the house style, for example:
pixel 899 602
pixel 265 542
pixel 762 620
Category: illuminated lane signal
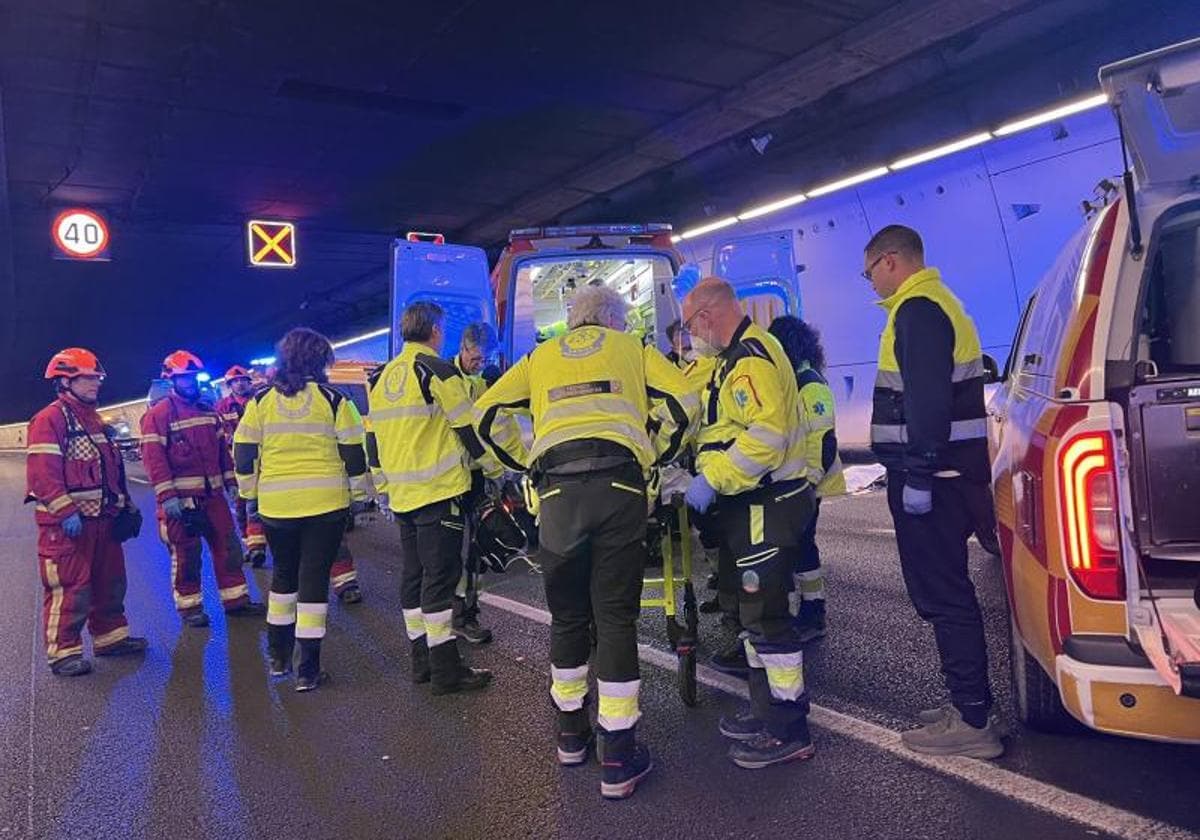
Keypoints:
pixel 271 244
pixel 80 234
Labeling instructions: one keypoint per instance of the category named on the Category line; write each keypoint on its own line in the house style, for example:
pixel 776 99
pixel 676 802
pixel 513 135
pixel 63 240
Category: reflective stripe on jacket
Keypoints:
pixel 184 450
pixel 928 411
pixel 592 383
pixel 300 455
pixel 751 433
pixel 70 464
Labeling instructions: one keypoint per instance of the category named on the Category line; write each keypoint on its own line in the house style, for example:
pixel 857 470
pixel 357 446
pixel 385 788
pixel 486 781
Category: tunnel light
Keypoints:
pixel 939 151
pixel 834 186
pixel 764 209
pixel 709 228
pixel 346 342
pixel 265 361
pixel 1053 114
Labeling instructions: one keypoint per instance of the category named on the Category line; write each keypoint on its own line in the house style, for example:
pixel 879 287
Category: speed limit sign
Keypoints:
pixel 80 234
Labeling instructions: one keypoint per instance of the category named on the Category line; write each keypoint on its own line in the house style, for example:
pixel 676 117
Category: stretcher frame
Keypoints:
pixel 682 636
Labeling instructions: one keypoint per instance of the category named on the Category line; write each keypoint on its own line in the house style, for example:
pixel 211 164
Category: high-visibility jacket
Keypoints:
pixel 184 450
pixel 230 409
pixel 592 383
pixel 421 446
pixel 928 413
pixel 820 433
pixel 699 372
pixel 71 466
pixel 300 455
pixel 751 433
pixel 475 384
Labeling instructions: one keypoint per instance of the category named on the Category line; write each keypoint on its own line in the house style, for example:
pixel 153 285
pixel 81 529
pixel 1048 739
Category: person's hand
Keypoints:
pixel 252 511
pixel 73 525
pixel 700 494
pixel 384 504
pixel 917 502
pixel 173 508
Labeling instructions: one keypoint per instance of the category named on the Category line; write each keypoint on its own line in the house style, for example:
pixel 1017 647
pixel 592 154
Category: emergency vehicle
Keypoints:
pixel 1095 438
pixel 527 294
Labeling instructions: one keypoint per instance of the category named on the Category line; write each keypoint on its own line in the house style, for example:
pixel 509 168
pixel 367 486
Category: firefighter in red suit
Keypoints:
pixel 73 474
pixel 343 575
pixel 188 461
pixel 230 409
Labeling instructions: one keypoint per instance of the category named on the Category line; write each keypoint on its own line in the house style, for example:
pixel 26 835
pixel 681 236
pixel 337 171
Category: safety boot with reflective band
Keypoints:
pixel 568 690
pixel 281 631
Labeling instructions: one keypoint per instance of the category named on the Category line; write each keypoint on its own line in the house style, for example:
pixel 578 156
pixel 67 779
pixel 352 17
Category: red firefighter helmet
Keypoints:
pixel 181 362
pixel 72 362
pixel 236 372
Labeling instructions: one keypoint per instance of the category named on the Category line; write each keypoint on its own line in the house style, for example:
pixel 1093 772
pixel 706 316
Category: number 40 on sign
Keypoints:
pixel 80 234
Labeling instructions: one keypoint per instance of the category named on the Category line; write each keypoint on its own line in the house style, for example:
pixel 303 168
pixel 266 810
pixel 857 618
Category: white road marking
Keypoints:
pixel 985 775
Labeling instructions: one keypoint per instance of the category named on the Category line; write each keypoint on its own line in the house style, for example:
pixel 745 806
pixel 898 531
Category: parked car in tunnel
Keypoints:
pixel 1095 436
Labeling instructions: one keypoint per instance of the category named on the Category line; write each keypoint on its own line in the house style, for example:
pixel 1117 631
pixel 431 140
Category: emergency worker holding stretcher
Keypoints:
pixel 605 411
pixel 752 457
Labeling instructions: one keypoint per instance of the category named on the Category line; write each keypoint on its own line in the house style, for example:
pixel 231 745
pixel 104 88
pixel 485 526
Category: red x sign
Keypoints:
pixel 271 244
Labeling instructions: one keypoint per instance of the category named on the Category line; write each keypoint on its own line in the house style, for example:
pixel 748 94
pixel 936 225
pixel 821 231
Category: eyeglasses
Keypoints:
pixel 867 274
pixel 687 325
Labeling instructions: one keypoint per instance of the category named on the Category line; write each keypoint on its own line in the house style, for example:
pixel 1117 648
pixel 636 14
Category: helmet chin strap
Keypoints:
pixel 67 387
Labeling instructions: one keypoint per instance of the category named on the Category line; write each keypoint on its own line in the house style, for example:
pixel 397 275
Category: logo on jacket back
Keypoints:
pixel 582 342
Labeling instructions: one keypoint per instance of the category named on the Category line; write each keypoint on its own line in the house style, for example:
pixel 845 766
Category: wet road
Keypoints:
pixel 194 740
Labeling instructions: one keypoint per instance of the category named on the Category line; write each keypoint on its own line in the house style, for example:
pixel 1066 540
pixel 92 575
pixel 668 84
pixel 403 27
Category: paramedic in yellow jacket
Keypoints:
pixel 802 343
pixel 421 448
pixel 752 455
pixel 605 410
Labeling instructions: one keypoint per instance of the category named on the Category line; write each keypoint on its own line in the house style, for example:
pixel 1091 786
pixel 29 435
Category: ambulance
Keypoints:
pixel 1095 438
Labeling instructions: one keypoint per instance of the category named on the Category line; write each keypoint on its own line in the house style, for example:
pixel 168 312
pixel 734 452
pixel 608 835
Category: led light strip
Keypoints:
pixel 1042 117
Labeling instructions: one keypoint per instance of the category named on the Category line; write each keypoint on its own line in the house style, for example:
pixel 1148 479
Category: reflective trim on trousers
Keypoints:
pixel 568 687
pixel 414 624
pixel 54 617
pixel 959 430
pixel 785 674
pixel 341 580
pixel 112 637
pixel 454 459
pixel 437 627
pixel 281 608
pixel 232 593
pixel 618 704
pixel 310 620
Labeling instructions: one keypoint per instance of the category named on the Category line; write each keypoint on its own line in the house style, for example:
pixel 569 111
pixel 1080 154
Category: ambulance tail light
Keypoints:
pixel 1091 534
pixel 422 236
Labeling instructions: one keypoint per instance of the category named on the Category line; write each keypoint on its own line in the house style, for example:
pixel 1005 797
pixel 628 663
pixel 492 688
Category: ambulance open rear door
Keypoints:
pixel 454 276
pixel 762 270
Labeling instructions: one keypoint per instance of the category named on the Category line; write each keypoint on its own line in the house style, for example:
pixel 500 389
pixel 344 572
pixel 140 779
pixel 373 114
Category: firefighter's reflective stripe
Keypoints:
pixel 232 593
pixel 281 608
pixel 438 626
pixel 414 623
pixel 959 430
pixel 811 585
pixel 54 614
pixel 310 620
pixel 592 383
pixel 785 671
pixel 195 482
pixel 182 602
pixel 568 687
pixel 43 449
pixel 341 580
pixel 193 422
pixel 59 503
pixel 751 433
pixel 106 640
pixel 420 425
pixel 618 706
pixel 300 455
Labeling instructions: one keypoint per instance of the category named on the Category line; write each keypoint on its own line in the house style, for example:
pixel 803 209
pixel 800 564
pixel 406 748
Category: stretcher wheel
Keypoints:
pixel 687 677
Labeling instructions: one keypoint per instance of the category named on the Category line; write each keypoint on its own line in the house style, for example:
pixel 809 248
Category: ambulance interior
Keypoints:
pixel 546 285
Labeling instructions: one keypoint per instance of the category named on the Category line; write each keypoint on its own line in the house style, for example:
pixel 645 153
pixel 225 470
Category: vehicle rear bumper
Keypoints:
pixel 1126 700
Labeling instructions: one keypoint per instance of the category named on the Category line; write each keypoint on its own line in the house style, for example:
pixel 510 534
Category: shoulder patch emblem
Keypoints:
pixel 582 342
pixel 819 408
pixel 395 379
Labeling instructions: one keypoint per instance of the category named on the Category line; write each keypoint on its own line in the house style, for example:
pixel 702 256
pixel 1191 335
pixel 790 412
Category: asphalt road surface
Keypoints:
pixel 195 740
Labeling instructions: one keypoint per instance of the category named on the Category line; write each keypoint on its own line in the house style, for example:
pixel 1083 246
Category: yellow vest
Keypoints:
pixel 818 415
pixel 592 383
pixel 287 452
pixel 417 401
pixel 751 433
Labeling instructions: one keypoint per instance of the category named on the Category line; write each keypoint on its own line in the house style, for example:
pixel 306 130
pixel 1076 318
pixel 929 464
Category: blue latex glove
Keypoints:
pixel 358 506
pixel 173 508
pixel 73 525
pixel 252 510
pixel 917 502
pixel 700 494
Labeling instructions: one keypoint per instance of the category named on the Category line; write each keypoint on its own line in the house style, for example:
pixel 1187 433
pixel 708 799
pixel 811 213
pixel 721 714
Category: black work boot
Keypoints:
pixel 732 660
pixel 466 623
pixel 257 558
pixel 420 660
pixel 125 647
pixel 71 666
pixel 766 749
pixel 575 737
pixel 309 674
pixel 450 675
pixel 350 594
pixel 196 618
pixel 281 643
pixel 624 763
pixel 249 609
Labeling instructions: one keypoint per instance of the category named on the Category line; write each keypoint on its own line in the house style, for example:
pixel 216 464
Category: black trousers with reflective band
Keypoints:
pixel 431 541
pixel 593 553
pixel 761 531
pixel 933 560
